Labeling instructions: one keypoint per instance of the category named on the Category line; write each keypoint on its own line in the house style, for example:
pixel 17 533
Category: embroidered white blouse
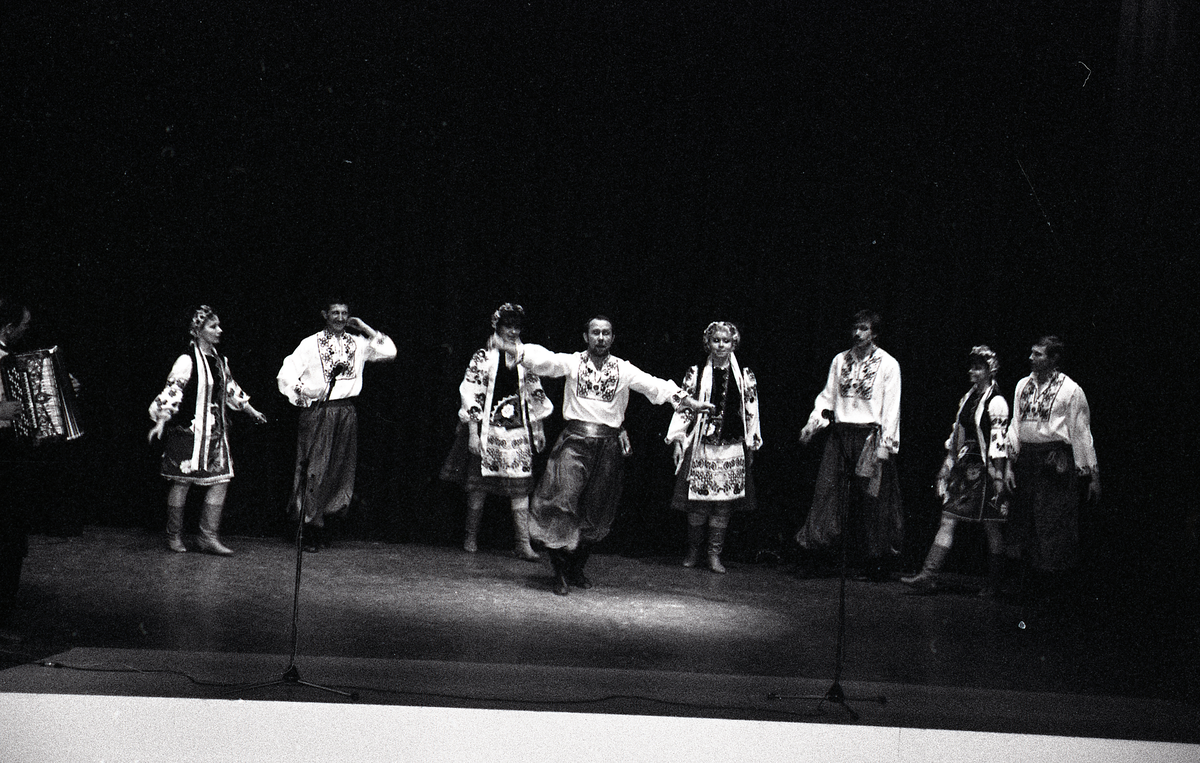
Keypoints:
pixel 598 395
pixel 698 383
pixel 305 373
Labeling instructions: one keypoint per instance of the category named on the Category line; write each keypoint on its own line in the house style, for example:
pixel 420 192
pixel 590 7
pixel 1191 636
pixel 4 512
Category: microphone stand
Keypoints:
pixel 835 695
pixel 291 674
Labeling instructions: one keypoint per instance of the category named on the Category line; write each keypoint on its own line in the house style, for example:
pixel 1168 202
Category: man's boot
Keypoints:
pixel 575 562
pixel 996 565
pixel 559 561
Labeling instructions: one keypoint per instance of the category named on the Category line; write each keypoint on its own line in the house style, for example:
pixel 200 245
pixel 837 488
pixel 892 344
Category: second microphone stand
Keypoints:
pixel 835 695
pixel 291 674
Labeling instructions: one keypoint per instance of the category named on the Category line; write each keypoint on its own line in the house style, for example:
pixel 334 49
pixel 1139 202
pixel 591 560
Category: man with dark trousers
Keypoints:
pixel 1050 453
pixel 857 479
pixel 576 500
pixel 322 377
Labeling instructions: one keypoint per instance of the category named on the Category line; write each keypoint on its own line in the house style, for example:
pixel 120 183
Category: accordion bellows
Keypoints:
pixel 49 410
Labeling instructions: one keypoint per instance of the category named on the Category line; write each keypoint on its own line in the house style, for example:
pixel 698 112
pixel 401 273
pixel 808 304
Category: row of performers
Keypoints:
pixel 1025 471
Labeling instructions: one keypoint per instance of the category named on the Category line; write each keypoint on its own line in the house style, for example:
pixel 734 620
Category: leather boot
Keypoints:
pixel 329 529
pixel 996 564
pixel 695 538
pixel 210 525
pixel 521 530
pixel 716 543
pixel 926 579
pixel 474 514
pixel 312 538
pixel 575 562
pixel 558 560
pixel 175 529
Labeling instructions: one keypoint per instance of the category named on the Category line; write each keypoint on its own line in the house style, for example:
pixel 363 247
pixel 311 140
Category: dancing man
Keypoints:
pixel 322 377
pixel 576 501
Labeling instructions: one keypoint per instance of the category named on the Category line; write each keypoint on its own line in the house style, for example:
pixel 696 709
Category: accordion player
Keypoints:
pixel 39 381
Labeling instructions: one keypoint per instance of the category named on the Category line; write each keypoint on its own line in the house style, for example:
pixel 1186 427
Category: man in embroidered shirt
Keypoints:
pixel 328 366
pixel 576 501
pixel 1049 450
pixel 862 400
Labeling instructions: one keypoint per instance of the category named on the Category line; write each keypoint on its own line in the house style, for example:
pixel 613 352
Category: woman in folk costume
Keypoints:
pixel 714 451
pixel 971 480
pixel 196 449
pixel 500 428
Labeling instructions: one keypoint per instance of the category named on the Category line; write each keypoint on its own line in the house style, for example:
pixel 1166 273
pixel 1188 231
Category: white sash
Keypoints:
pixel 202 416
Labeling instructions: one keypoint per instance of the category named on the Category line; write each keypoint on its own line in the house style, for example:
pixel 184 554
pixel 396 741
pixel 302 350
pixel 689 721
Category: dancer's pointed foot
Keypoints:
pixel 214 546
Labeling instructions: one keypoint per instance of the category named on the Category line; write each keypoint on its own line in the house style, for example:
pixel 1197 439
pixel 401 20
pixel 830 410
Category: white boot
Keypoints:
pixel 474 514
pixel 210 523
pixel 522 548
pixel 175 529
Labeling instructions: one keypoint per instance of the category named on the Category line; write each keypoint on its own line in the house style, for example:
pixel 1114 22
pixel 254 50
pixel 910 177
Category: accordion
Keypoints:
pixel 40 383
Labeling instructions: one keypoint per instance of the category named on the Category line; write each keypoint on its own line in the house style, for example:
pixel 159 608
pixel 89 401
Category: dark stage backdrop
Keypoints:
pixel 977 172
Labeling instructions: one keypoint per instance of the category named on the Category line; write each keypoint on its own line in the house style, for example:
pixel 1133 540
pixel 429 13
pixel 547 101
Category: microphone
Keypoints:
pixel 337 370
pixel 827 415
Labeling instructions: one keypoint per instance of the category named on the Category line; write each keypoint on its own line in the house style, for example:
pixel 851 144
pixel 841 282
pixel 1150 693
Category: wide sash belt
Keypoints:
pixel 591 429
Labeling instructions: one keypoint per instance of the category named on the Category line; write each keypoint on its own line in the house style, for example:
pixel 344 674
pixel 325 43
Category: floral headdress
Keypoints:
pixel 984 354
pixel 734 335
pixel 512 314
pixel 200 316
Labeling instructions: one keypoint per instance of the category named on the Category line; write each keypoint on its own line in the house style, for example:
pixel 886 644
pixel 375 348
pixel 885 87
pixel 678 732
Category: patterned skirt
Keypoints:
pixel 969 490
pixel 177 464
pixel 465 468
pixel 717 483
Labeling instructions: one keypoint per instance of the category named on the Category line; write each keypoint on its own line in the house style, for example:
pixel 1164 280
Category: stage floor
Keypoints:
pixel 117 614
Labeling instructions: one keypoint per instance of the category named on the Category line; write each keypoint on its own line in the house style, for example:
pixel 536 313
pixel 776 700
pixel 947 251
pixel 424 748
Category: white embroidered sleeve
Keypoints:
pixel 754 430
pixel 235 398
pixel 473 389
pixel 682 419
pixel 998 412
pixel 656 390
pixel 890 425
pixel 291 376
pixel 1079 425
pixel 166 405
pixel 381 347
